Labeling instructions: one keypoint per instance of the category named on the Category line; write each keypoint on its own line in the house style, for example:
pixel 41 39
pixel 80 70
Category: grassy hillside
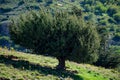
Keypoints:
pixel 101 12
pixel 23 66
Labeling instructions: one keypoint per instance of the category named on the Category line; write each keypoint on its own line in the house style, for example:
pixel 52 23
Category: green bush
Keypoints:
pixel 117 17
pixel 101 8
pixel 88 2
pixel 60 35
pixel 116 37
pixel 87 8
pixel 103 22
pixel 108 60
pixel 112 10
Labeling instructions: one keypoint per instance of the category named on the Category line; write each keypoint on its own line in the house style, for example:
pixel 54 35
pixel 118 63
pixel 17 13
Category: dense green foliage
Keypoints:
pixel 108 60
pixel 60 35
pixel 109 56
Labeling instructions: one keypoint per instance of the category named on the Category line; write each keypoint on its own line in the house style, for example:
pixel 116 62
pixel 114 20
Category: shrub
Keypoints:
pixel 116 37
pixel 108 60
pixel 117 17
pixel 87 8
pixel 101 8
pixel 103 22
pixel 21 3
pixel 39 0
pixel 112 10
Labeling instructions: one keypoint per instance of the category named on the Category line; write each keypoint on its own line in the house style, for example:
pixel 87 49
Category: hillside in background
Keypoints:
pixel 21 66
pixel 101 12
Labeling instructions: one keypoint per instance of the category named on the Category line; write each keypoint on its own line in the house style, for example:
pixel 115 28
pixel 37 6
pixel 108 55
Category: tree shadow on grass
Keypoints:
pixel 20 64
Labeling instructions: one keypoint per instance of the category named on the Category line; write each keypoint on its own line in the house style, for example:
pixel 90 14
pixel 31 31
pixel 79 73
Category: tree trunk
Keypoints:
pixel 61 64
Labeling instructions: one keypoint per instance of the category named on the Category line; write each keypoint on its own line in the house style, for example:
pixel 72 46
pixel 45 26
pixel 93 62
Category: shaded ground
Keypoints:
pixel 20 64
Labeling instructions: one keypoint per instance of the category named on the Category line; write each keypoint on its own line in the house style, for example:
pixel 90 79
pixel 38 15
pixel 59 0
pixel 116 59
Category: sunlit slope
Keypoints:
pixel 23 66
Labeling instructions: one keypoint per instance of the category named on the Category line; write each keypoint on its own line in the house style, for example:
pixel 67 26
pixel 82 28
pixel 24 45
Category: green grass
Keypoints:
pixel 24 66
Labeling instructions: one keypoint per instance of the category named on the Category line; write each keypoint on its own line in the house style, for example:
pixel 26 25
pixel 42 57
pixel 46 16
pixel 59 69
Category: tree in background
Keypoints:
pixel 60 35
pixel 108 58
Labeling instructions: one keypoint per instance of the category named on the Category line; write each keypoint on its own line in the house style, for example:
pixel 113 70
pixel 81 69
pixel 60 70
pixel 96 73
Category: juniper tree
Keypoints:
pixel 60 35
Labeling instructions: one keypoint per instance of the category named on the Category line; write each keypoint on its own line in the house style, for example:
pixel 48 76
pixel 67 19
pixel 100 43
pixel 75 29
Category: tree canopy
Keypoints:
pixel 57 34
